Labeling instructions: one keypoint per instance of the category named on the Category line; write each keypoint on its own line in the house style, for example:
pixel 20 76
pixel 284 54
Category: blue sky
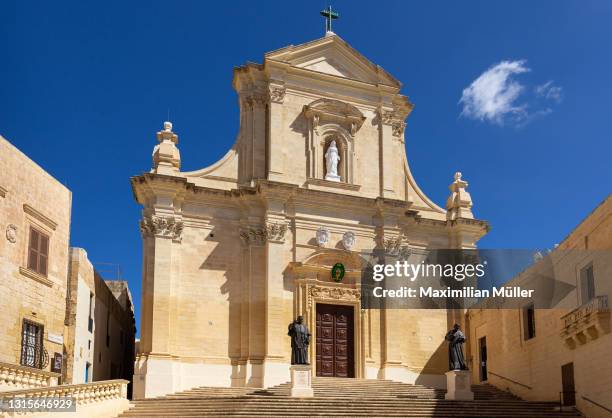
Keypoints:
pixel 85 86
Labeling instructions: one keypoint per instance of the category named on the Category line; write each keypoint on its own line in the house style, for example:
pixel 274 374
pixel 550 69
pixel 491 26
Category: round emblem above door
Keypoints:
pixel 337 272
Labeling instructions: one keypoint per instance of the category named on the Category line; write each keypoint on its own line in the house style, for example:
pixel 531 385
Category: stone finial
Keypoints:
pixel 459 203
pixel 166 155
pixel 167 134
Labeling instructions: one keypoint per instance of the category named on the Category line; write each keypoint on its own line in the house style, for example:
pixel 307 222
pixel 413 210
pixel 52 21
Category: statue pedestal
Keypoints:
pixel 332 177
pixel 301 381
pixel 459 386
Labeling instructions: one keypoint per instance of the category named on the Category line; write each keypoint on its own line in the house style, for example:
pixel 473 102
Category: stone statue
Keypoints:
pixel 300 339
pixel 332 158
pixel 455 339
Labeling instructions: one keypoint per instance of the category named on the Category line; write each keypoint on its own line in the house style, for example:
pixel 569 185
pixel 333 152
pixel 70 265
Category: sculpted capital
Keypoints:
pixel 277 94
pixel 163 227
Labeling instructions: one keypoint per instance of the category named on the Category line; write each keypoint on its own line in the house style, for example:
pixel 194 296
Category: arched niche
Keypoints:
pixel 344 143
pixel 331 119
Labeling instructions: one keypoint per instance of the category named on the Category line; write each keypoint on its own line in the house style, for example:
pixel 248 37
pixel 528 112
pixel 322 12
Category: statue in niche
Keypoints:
pixel 332 158
pixel 456 338
pixel 300 339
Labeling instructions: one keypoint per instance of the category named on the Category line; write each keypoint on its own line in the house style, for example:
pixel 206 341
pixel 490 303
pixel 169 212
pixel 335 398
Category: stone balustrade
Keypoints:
pixel 13 377
pixel 586 322
pixel 103 398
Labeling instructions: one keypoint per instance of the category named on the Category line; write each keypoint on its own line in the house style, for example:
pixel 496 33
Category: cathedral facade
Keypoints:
pixel 318 177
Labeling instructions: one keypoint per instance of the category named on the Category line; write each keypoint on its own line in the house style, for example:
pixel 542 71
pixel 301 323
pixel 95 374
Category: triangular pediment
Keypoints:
pixel 333 56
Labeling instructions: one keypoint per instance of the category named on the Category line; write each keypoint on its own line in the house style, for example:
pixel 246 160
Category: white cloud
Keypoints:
pixel 493 95
pixel 497 96
pixel 549 91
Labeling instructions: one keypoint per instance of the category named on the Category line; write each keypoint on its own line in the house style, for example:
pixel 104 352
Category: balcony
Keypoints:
pixel 586 323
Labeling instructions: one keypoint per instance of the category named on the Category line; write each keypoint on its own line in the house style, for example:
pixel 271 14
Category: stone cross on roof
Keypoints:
pixel 329 15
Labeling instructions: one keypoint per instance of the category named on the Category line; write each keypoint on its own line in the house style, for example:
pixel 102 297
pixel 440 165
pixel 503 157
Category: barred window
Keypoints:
pixel 31 344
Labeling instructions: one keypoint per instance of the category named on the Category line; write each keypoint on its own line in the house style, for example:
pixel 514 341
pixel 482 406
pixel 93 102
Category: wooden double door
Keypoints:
pixel 335 343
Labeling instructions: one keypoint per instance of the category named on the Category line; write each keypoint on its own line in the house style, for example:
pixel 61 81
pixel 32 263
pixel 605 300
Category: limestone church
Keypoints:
pixel 235 251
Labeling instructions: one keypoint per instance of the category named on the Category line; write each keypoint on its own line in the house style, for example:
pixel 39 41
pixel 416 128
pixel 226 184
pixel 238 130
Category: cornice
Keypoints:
pixel 39 216
pixel 314 75
pixel 312 47
pixel 35 276
pixel 332 184
pixel 474 223
pixel 299 195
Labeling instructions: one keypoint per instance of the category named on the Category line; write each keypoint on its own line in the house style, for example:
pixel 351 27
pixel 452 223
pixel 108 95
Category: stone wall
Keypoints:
pixel 110 311
pixel 79 335
pixel 113 347
pixel 577 332
pixel 31 198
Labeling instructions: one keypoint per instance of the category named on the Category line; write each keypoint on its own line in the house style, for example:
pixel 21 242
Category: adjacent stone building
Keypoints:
pixel 100 326
pixel 114 340
pixel 61 322
pixel 234 251
pixel 545 354
pixel 35 221
pixel 80 324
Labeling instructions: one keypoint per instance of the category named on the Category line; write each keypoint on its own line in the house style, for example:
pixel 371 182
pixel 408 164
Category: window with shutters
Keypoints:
pixel 529 329
pixel 587 284
pixel 38 252
pixel 90 320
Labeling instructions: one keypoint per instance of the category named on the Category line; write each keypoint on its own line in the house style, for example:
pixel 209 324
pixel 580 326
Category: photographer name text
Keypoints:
pixel 465 292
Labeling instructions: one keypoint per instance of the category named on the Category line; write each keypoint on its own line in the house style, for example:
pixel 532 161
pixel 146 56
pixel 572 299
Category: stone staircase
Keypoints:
pixel 344 397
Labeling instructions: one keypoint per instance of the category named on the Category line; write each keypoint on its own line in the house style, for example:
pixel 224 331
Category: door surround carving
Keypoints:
pixel 309 292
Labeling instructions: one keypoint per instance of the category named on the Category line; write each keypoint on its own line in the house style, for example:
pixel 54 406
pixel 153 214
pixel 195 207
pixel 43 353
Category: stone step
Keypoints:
pixel 277 400
pixel 349 409
pixel 344 397
pixel 382 403
pixel 372 410
pixel 344 413
pixel 348 412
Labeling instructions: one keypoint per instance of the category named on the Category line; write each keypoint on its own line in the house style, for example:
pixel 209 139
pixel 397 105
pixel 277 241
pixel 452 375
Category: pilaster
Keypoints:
pixel 276 117
pixel 387 154
pixel 259 102
pixel 161 227
pixel 253 237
